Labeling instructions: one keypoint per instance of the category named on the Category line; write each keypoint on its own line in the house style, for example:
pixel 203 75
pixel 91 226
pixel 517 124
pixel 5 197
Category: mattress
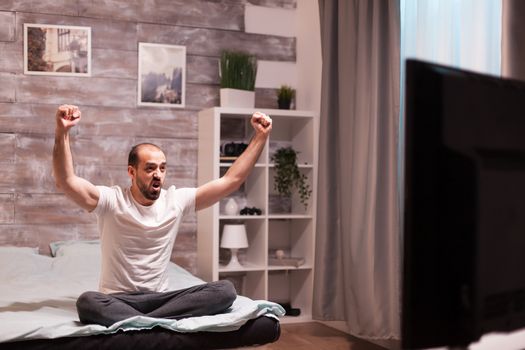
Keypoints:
pixel 37 308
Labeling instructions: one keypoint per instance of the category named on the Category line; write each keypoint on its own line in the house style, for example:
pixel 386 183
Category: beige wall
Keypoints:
pixel 309 57
pixel 32 211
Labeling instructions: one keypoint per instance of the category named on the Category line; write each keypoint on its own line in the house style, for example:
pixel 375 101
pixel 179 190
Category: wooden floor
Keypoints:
pixel 316 336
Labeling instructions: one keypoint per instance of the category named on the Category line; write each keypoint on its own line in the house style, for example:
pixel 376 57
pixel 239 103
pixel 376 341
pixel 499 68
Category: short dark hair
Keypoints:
pixel 133 157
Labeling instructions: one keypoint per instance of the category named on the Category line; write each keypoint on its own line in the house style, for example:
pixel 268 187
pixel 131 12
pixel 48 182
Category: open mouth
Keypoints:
pixel 156 185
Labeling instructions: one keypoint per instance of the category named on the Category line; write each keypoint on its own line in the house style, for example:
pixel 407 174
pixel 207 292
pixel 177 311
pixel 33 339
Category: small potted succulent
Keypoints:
pixel 285 95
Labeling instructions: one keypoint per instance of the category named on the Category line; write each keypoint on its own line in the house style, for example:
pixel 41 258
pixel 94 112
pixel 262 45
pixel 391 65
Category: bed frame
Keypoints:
pixel 262 330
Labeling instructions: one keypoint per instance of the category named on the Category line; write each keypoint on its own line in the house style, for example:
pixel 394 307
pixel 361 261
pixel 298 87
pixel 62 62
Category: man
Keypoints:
pixel 138 226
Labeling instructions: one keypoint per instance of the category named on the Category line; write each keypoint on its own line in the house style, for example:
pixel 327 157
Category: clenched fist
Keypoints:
pixel 67 116
pixel 262 123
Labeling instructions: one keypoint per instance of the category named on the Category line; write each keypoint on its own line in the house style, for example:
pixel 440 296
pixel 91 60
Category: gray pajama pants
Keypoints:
pixel 205 299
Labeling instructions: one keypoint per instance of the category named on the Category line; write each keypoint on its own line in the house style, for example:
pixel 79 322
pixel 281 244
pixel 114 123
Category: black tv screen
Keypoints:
pixel 464 210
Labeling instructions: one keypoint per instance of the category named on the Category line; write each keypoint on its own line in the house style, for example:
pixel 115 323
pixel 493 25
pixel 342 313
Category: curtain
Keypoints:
pixel 460 33
pixel 513 39
pixel 357 268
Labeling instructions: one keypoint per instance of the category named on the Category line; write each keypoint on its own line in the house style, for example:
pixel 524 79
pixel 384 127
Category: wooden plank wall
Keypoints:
pixel 32 212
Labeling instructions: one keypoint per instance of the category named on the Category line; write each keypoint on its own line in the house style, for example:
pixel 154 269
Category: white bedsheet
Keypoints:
pixel 38 295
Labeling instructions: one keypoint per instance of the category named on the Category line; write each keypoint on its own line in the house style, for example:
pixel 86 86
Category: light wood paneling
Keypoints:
pixel 195 13
pixel 35 176
pixel 105 34
pixel 11 57
pixel 91 91
pixel 7 209
pixel 201 96
pixel 142 122
pixel 28 118
pixel 8 177
pixel 109 63
pixel 49 209
pixel 7 26
pixel 7 148
pixel 41 235
pixel 62 7
pixel 201 41
pixel 33 212
pixel 203 70
pixel 265 98
pixel 7 87
pixel 31 147
pixel 101 150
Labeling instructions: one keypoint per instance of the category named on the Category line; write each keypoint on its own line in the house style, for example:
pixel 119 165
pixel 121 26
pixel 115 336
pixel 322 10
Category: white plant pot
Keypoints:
pixel 237 98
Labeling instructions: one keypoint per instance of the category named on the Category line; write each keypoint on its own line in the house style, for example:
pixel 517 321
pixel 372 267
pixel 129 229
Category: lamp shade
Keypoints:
pixel 234 236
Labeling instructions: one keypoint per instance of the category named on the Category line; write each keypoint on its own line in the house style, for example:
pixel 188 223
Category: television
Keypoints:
pixel 464 206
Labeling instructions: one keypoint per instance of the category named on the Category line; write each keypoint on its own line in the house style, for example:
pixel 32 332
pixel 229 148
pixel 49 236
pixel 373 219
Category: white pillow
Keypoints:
pixel 15 249
pixel 75 248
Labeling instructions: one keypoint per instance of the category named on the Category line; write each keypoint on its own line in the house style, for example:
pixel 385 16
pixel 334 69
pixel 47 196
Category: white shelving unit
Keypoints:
pixel 293 231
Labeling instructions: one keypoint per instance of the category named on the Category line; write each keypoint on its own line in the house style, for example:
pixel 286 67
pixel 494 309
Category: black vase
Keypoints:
pixel 284 104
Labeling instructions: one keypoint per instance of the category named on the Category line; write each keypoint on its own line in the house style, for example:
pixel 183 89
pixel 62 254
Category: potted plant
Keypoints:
pixel 285 95
pixel 238 71
pixel 288 177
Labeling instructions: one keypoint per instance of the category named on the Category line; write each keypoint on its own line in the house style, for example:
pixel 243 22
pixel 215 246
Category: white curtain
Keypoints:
pixel 461 33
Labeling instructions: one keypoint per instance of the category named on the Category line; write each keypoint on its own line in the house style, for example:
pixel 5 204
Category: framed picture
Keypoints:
pixel 162 75
pixel 57 50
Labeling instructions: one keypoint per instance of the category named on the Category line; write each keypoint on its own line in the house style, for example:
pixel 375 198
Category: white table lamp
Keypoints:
pixel 234 238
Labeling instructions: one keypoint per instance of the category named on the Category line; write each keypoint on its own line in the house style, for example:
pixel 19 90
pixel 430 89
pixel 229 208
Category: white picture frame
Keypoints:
pixel 57 50
pixel 161 75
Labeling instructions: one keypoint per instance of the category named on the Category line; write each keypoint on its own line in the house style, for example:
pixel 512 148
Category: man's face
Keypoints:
pixel 148 177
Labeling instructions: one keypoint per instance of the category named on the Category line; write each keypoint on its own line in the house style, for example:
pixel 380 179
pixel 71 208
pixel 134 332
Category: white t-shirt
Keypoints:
pixel 136 240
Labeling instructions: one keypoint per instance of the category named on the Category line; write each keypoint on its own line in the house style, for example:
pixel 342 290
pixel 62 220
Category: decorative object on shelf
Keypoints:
pixel 237 71
pixel 251 211
pixel 234 238
pixel 287 175
pixel 225 159
pixel 278 204
pixel 279 258
pixel 291 311
pixel 285 95
pixel 231 207
pixel 233 149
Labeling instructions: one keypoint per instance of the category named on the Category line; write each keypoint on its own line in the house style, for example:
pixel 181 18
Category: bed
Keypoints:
pixel 37 308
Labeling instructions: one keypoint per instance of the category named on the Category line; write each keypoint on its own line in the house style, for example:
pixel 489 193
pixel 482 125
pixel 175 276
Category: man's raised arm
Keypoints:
pixel 213 191
pixel 81 191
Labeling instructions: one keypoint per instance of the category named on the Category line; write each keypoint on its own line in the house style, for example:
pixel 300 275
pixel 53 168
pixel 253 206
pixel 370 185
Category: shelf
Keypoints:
pixel 300 166
pixel 247 112
pixel 241 217
pixel 245 267
pixel 285 224
pixel 289 216
pixel 286 268
pixel 227 165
